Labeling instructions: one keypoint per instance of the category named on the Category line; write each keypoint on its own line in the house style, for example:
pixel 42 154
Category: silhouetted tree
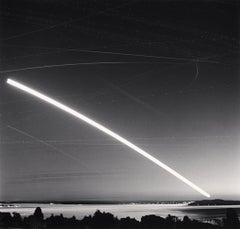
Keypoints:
pixel 152 222
pixel 5 219
pixel 186 223
pixel 129 223
pixel 17 220
pixel 171 221
pixel 36 220
pixel 231 221
pixel 103 220
pixel 38 213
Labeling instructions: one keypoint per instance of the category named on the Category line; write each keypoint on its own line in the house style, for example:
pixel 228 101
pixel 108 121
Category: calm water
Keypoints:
pixel 124 210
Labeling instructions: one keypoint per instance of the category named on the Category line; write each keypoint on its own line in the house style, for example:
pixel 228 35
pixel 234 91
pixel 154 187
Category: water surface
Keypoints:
pixel 204 213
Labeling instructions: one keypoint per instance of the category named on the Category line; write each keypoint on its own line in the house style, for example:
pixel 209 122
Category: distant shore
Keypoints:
pixel 213 202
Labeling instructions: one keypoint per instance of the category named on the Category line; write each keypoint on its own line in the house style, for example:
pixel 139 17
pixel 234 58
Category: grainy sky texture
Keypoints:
pixel 164 75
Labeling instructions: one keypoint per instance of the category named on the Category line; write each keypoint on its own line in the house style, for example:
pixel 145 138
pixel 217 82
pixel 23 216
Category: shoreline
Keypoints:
pixel 124 210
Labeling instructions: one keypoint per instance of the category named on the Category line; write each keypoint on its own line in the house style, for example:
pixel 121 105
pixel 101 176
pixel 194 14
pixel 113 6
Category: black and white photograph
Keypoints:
pixel 119 114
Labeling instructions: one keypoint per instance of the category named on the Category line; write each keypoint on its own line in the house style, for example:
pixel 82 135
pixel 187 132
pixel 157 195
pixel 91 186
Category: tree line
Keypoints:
pixel 102 220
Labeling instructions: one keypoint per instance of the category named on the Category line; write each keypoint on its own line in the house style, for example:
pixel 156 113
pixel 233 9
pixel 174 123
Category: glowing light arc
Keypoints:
pixel 106 131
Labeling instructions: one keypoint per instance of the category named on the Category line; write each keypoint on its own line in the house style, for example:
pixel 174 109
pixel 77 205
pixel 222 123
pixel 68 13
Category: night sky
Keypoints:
pixel 163 74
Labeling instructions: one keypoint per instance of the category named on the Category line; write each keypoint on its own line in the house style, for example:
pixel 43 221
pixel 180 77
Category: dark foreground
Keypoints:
pixel 108 221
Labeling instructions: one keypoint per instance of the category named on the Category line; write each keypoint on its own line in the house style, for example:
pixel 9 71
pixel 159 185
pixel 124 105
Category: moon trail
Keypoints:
pixel 106 131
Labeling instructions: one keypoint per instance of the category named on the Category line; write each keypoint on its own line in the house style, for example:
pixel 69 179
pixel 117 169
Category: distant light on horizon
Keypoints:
pixel 106 131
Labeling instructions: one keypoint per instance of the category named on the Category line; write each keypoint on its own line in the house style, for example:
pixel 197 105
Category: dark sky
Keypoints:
pixel 164 74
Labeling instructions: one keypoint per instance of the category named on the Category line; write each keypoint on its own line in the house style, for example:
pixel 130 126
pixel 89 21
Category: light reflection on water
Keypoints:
pixel 124 210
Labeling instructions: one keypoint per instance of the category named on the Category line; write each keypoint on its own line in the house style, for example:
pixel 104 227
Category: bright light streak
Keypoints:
pixel 106 131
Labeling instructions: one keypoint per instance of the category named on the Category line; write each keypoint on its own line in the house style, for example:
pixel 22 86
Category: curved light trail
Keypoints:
pixel 79 63
pixel 106 131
